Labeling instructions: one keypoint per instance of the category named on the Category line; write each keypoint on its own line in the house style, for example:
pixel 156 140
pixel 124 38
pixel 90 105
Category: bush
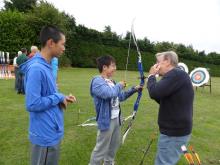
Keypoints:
pixel 64 61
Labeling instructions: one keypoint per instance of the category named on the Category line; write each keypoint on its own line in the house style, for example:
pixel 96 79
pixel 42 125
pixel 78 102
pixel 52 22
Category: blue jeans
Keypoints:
pixel 21 83
pixel 169 149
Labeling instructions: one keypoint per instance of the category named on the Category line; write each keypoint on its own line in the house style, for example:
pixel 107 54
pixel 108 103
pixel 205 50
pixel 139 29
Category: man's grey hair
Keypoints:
pixel 19 53
pixel 34 48
pixel 171 55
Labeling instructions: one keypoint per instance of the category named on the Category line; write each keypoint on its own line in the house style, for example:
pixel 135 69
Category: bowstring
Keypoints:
pixel 129 48
pixel 126 66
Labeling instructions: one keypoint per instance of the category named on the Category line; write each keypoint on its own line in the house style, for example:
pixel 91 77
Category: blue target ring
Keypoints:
pixel 198 77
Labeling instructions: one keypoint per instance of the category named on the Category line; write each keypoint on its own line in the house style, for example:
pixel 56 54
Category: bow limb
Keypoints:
pixel 142 79
pixel 140 69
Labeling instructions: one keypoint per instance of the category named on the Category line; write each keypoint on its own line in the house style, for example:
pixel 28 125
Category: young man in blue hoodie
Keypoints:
pixel 107 94
pixel 43 102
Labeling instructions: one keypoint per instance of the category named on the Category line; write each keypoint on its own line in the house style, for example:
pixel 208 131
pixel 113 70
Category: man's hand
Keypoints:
pixel 70 98
pixel 154 69
pixel 63 104
pixel 67 99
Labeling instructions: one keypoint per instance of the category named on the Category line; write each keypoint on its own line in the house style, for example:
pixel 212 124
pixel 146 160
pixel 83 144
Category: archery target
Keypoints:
pixel 183 67
pixel 199 76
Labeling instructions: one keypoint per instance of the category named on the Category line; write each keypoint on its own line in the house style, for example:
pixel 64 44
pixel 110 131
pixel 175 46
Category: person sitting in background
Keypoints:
pixel 34 50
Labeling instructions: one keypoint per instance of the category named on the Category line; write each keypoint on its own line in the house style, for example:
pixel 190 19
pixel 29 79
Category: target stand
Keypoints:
pixel 200 78
pixel 209 84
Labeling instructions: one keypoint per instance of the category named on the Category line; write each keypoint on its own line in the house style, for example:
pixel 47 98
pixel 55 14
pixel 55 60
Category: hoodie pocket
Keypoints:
pixel 58 119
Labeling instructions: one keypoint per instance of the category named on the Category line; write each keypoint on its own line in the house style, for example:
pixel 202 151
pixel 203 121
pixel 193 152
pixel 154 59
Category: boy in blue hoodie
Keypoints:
pixel 106 95
pixel 43 102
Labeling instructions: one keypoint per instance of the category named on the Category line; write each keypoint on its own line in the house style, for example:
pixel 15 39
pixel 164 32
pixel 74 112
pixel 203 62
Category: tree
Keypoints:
pixel 44 14
pixel 20 5
pixel 127 36
pixel 202 53
pixel 164 46
pixel 15 33
pixel 109 37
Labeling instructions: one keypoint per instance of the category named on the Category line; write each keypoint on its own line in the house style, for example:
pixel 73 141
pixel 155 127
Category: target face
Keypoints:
pixel 183 67
pixel 199 76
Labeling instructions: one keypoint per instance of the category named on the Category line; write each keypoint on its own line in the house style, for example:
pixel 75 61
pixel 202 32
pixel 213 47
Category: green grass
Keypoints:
pixel 78 142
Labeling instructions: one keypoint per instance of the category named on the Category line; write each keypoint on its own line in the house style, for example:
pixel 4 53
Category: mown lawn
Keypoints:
pixel 78 142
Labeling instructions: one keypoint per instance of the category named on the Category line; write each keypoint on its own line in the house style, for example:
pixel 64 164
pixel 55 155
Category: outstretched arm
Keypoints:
pixel 126 94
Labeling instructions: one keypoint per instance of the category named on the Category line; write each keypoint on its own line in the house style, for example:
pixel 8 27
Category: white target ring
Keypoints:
pixel 199 76
pixel 183 67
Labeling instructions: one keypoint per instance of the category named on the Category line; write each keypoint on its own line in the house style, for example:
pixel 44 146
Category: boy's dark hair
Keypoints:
pixel 50 32
pixel 24 50
pixel 104 60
